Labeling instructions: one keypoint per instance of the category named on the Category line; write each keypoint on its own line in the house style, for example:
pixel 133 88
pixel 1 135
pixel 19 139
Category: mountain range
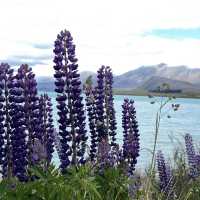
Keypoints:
pixel 145 77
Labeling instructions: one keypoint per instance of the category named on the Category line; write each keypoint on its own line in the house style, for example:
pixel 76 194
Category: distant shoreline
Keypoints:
pixel 146 93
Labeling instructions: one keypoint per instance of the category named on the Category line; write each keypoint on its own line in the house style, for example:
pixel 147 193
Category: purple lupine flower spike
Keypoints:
pixel 70 107
pixel 106 121
pixel 103 155
pixel 125 124
pixel 100 99
pixel 131 144
pixel 110 111
pixel 24 119
pixel 50 130
pixel 6 78
pixel 19 131
pixel 165 175
pixel 46 135
pixel 191 155
pixel 90 93
pixel 26 79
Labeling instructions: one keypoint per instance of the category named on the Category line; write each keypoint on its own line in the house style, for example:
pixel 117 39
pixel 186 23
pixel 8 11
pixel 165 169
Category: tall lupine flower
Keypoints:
pixel 192 161
pixel 24 117
pixel 6 78
pixel 100 104
pixel 19 131
pixel 165 175
pixel 131 135
pixel 106 121
pixel 125 124
pixel 46 135
pixel 28 85
pixel 109 104
pixel 71 109
pixel 90 93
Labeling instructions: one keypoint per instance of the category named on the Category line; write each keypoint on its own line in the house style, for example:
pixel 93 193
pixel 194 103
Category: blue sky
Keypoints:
pixel 124 34
pixel 176 33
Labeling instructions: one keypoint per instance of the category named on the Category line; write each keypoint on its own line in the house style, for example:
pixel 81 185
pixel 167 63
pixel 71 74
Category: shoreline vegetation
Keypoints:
pixel 137 92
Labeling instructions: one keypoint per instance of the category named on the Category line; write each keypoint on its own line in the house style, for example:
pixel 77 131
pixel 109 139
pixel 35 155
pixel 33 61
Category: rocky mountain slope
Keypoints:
pixel 145 77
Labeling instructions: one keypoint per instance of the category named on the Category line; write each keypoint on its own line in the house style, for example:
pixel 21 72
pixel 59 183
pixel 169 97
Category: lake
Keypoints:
pixel 185 120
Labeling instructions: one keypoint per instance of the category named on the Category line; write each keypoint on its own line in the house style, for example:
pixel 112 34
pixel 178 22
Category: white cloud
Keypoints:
pixel 105 32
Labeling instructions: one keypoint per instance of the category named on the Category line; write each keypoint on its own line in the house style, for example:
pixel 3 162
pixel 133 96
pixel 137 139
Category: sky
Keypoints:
pixel 123 34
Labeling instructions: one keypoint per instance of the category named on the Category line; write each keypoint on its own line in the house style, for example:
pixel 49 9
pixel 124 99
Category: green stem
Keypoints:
pixel 152 166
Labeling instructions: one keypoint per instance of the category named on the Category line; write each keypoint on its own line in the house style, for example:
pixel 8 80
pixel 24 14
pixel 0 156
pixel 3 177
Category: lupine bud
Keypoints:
pixel 191 155
pixel 165 175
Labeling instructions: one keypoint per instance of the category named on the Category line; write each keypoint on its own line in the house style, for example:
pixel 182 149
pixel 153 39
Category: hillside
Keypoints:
pixel 154 82
pixel 136 78
pixel 145 77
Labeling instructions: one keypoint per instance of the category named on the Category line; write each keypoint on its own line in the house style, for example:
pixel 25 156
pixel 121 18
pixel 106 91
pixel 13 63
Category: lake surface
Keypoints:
pixel 185 120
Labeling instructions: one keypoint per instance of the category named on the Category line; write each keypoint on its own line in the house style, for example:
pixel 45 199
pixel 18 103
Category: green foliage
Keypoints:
pixel 113 184
pixel 89 183
pixel 81 183
pixel 77 183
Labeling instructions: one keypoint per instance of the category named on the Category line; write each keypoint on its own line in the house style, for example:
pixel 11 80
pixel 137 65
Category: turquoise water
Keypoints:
pixel 185 120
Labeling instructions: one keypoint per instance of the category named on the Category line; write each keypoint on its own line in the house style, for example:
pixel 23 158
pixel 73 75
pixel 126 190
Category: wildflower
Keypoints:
pixel 191 155
pixel 110 111
pixel 92 116
pixel 100 109
pixel 46 135
pixel 106 121
pixel 6 78
pixel 131 135
pixel 165 175
pixel 70 107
